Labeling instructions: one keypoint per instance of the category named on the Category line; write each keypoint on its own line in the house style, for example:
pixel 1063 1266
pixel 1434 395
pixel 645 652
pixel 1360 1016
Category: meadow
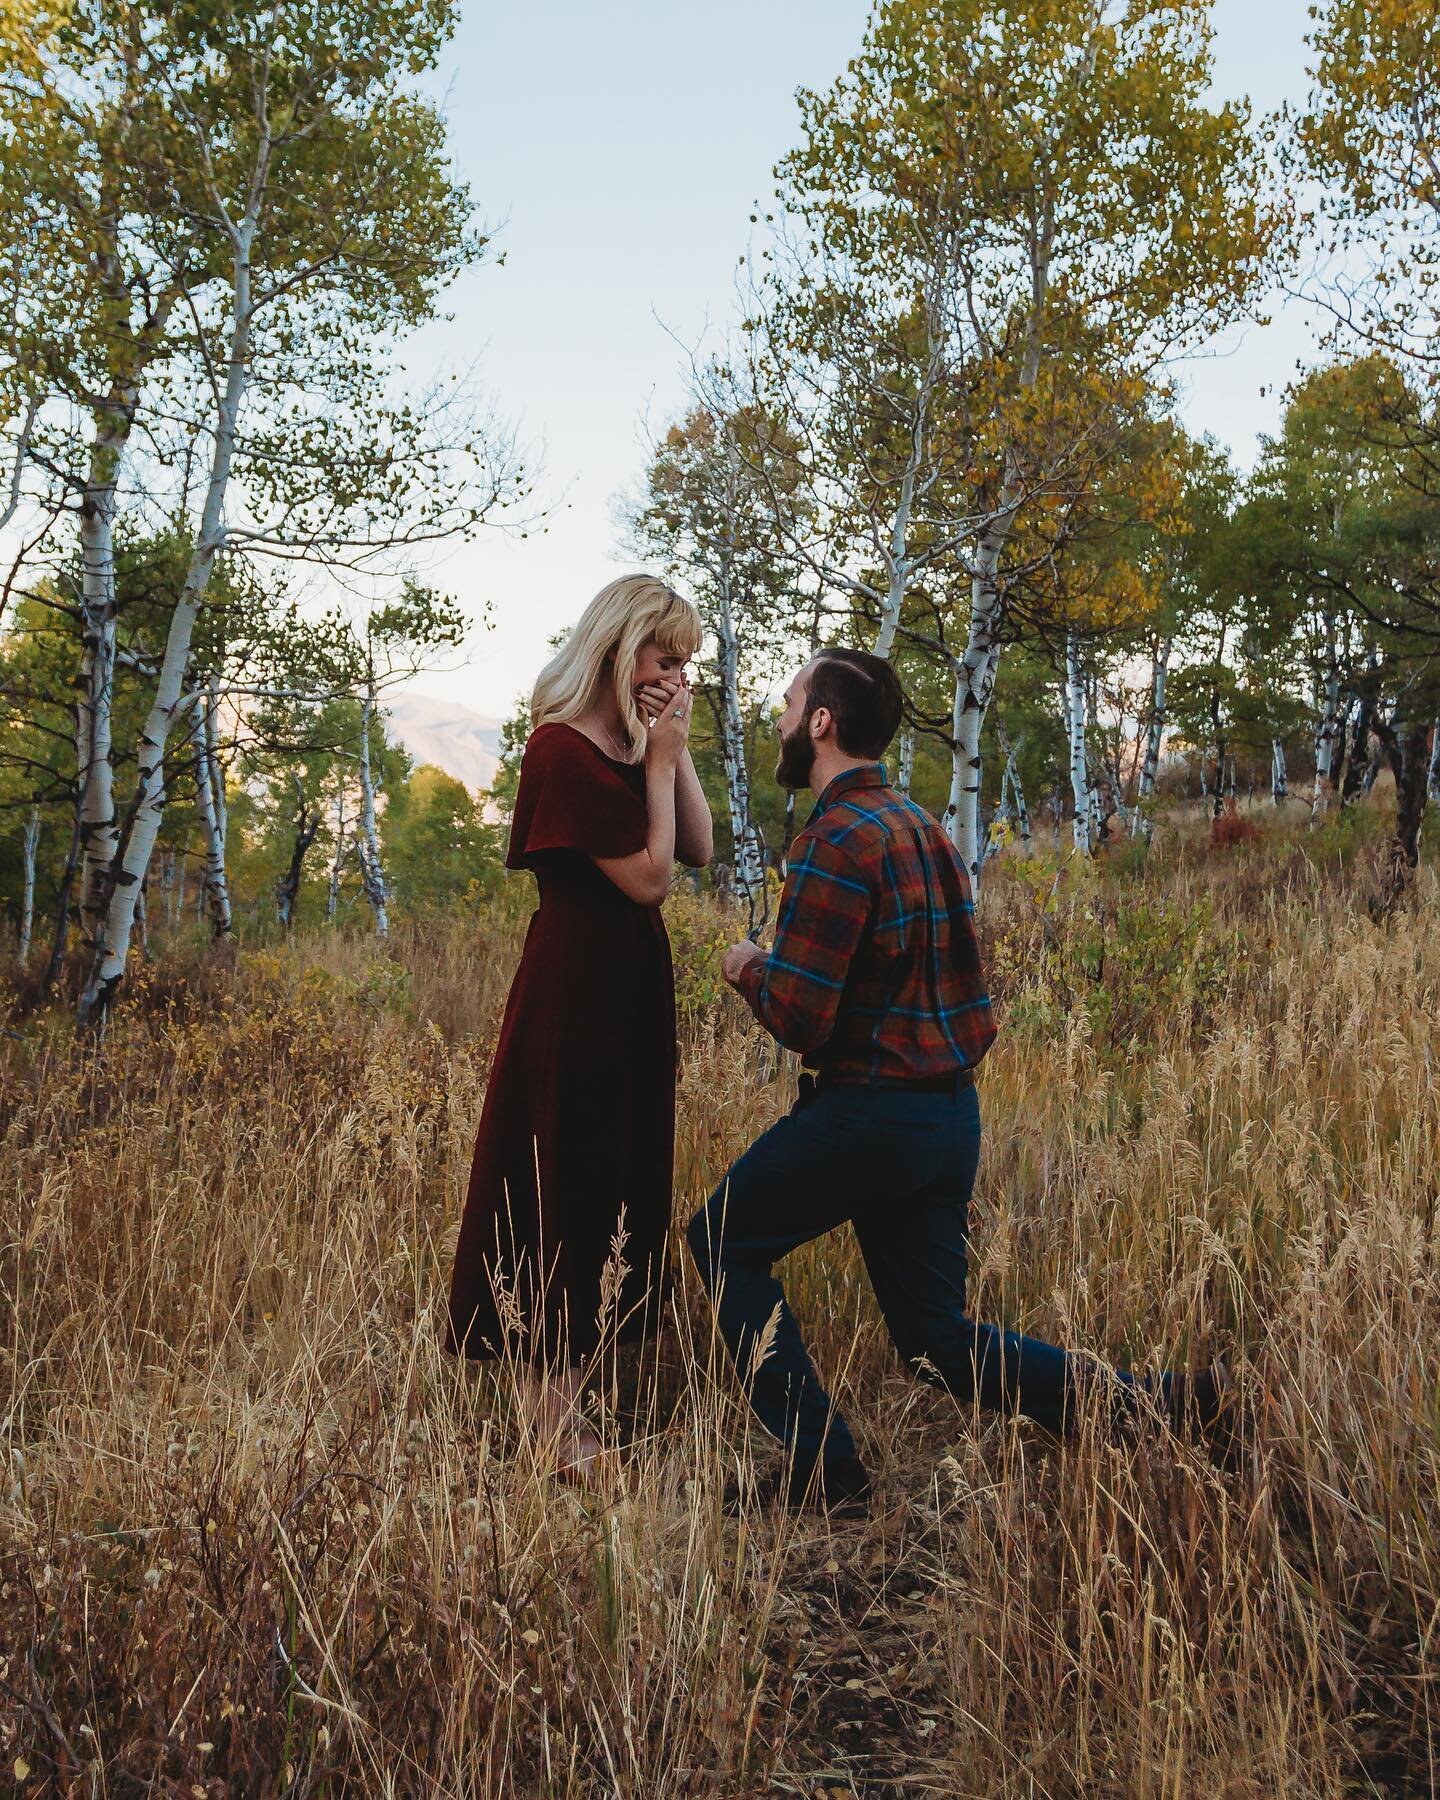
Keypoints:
pixel 258 1535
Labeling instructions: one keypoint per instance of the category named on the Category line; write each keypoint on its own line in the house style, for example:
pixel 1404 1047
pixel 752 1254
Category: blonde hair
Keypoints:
pixel 623 616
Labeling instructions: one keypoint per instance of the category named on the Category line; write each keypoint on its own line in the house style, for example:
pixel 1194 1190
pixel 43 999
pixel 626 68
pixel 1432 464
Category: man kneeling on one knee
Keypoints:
pixel 876 980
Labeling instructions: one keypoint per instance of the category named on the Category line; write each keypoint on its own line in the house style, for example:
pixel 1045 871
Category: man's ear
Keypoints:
pixel 820 722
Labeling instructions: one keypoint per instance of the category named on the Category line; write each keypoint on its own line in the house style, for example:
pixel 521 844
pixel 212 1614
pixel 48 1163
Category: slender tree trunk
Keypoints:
pixel 1352 774
pixel 20 457
pixel 901 563
pixel 1022 811
pixel 337 861
pixel 1101 767
pixel 216 767
pixel 99 827
pixel 749 863
pixel 1011 753
pixel 899 570
pixel 1142 820
pixel 907 760
pixel 372 868
pixel 1217 800
pixel 1411 794
pixel 146 810
pixel 977 669
pixel 975 674
pixel 30 843
pixel 1326 729
pixel 1340 752
pixel 62 905
pixel 215 888
pixel 287 888
pixel 1075 730
pixel 1279 775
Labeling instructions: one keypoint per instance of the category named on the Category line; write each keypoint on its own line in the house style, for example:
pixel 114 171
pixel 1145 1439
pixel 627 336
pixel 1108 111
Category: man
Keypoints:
pixel 875 979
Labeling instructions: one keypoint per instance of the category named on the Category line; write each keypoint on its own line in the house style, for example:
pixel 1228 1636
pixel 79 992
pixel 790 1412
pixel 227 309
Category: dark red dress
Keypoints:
pixel 579 1114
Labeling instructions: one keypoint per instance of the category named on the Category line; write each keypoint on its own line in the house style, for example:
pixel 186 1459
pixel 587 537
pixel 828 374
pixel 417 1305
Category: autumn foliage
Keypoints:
pixel 1232 827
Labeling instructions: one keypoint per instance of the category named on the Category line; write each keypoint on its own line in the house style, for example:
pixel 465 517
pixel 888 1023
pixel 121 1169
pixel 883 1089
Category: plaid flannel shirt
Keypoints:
pixel 876 968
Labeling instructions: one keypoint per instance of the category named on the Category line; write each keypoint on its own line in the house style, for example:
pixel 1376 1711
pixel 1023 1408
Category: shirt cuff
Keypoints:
pixel 751 977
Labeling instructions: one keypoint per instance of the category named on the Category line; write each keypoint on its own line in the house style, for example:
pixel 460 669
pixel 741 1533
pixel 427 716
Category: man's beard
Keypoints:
pixel 797 757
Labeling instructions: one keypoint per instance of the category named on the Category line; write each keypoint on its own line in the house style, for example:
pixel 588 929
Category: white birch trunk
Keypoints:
pixel 1432 777
pixel 148 806
pixel 30 843
pixel 372 869
pixel 899 571
pixel 977 669
pixel 1075 724
pixel 975 675
pixel 1011 753
pixel 1279 773
pixel 907 760
pixel 114 419
pixel 1022 811
pixel 1329 725
pixel 749 863
pixel 901 564
pixel 217 770
pixel 99 827
pixel 23 440
pixel 1142 822
pixel 214 887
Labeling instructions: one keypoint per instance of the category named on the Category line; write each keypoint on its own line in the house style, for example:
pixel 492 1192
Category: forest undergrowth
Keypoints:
pixel 259 1535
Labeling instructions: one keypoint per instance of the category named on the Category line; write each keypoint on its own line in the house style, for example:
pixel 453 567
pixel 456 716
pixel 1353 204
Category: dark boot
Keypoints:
pixel 838 1488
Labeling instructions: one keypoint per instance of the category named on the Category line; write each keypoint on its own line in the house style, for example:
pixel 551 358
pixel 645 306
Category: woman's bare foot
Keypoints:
pixel 560 1426
pixel 581 1456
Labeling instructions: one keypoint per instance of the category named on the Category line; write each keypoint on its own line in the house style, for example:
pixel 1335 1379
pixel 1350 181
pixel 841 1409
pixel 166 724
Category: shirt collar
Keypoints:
pixel 863 775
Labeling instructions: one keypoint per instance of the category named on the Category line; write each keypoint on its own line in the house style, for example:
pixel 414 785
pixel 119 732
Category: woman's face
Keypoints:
pixel 654 667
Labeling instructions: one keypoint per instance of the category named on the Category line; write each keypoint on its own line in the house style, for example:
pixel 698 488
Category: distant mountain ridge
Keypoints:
pixel 464 744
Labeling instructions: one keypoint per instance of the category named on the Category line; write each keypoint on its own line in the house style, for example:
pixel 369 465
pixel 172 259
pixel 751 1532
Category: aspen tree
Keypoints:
pixel 1085 190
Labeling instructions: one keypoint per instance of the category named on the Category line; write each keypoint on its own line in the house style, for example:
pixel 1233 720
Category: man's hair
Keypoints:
pixel 862 693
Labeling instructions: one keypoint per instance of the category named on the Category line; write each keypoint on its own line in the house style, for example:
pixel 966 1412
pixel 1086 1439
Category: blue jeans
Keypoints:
pixel 900 1166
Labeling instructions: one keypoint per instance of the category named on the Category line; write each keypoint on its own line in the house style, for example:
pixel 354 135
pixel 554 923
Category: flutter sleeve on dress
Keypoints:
pixel 571 798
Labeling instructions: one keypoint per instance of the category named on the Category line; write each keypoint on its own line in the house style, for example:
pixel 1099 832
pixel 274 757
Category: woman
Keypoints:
pixel 576 1138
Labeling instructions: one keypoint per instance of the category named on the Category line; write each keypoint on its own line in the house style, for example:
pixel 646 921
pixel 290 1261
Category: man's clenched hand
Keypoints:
pixel 737 959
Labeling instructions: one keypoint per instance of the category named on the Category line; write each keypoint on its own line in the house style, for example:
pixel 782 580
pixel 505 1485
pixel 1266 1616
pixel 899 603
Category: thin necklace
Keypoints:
pixel 622 751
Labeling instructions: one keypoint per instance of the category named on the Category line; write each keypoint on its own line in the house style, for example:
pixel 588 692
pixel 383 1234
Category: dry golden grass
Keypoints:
pixel 259 1535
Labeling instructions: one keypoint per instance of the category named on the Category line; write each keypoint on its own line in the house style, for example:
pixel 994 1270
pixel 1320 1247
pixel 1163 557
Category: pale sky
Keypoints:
pixel 618 148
